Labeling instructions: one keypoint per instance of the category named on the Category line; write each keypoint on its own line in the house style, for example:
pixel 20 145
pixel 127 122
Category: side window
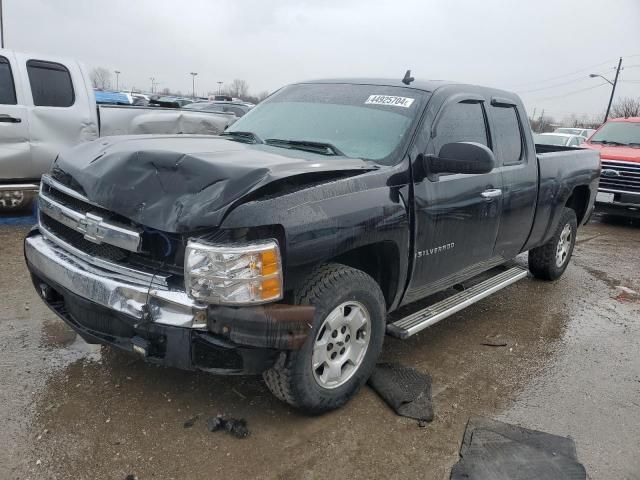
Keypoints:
pixel 461 122
pixel 573 142
pixel 50 84
pixel 508 134
pixel 7 87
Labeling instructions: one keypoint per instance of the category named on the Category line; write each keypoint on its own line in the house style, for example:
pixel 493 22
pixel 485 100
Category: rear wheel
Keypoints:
pixel 344 343
pixel 549 261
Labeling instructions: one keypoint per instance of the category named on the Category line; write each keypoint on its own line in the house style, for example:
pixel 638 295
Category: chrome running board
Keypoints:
pixel 412 324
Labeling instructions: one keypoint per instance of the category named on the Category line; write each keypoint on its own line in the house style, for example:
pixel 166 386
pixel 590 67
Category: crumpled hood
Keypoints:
pixel 612 152
pixel 182 183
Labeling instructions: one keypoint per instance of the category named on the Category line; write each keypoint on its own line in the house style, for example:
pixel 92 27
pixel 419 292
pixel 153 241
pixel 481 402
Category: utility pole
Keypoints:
pixel 541 124
pixel 153 81
pixel 613 86
pixel 193 84
pixel 613 89
pixel 1 26
pixel 219 84
pixel 117 72
pixel 534 113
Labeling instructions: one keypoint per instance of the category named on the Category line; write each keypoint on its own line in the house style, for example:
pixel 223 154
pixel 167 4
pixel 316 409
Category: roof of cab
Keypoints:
pixel 426 85
pixel 625 119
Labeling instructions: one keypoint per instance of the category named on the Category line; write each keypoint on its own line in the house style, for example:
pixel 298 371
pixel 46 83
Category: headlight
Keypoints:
pixel 233 274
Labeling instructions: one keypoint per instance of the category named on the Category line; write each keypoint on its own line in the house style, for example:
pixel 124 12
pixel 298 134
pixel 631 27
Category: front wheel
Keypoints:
pixel 549 261
pixel 344 343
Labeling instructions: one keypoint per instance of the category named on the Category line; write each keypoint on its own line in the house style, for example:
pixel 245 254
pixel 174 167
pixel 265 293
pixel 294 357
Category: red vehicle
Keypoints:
pixel 618 141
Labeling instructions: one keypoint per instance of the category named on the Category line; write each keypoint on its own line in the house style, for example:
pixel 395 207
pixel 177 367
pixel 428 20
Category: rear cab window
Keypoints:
pixel 7 85
pixel 508 134
pixel 51 84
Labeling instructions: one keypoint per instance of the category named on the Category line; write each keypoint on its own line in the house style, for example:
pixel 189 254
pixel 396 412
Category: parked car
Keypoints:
pixel 170 102
pixel 282 246
pixel 582 132
pixel 618 142
pixel 236 108
pixel 48 104
pixel 559 139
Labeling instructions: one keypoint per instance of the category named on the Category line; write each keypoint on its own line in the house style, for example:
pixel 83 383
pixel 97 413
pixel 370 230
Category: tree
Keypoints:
pixel 237 89
pixel 101 78
pixel 625 107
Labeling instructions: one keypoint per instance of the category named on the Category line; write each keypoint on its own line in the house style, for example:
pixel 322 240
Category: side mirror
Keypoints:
pixel 462 157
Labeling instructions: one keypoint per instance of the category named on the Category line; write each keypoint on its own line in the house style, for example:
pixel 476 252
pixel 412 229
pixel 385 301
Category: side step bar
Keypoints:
pixel 412 324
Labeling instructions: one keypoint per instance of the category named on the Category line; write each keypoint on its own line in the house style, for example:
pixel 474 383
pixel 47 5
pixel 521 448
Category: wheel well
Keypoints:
pixel 578 201
pixel 381 261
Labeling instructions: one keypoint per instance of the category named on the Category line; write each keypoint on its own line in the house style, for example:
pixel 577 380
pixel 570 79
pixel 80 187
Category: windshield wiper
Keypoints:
pixel 248 137
pixel 608 142
pixel 317 147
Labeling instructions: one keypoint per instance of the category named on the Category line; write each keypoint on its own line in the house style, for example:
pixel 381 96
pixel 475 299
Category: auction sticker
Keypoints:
pixel 391 100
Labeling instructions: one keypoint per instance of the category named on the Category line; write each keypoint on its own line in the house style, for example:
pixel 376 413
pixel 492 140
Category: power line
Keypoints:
pixel 567 74
pixel 569 93
pixel 554 85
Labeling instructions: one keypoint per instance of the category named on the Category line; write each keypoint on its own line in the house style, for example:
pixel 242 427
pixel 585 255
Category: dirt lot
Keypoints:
pixel 571 367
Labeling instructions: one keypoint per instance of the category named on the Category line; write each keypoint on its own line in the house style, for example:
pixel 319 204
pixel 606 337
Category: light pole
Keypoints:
pixel 117 72
pixel 219 87
pixel 193 83
pixel 1 26
pixel 613 86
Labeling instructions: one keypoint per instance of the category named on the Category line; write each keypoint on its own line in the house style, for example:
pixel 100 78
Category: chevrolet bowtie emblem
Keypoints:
pixel 90 225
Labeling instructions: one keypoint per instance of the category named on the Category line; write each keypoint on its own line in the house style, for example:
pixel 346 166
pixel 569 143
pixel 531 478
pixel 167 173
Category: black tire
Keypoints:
pixel 292 378
pixel 543 260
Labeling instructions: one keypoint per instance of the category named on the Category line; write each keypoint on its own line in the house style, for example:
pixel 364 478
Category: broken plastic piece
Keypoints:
pixel 236 427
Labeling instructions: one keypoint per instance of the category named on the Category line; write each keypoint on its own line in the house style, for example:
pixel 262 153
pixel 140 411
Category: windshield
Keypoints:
pixel 551 140
pixel 359 121
pixel 618 133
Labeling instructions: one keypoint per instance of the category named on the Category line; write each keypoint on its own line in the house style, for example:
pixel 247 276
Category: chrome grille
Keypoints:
pixel 91 232
pixel 618 176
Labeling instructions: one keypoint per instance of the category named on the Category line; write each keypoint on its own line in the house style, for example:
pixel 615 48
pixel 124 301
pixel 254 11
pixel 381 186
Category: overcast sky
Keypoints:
pixel 542 49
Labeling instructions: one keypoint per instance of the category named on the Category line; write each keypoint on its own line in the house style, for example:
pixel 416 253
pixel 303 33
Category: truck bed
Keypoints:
pixel 560 171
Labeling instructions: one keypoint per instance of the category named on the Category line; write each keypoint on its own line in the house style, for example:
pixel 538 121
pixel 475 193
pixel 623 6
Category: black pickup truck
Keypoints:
pixel 334 212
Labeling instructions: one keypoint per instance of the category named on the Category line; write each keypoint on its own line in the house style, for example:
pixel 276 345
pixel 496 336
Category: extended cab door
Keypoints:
pixel 15 151
pixel 456 216
pixel 519 170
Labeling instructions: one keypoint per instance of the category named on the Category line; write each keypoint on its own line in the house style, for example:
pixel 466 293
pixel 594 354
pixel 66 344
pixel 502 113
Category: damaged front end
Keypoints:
pixel 118 283
pixel 130 251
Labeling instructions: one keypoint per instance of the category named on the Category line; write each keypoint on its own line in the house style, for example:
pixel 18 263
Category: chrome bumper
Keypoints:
pixel 166 307
pixel 16 196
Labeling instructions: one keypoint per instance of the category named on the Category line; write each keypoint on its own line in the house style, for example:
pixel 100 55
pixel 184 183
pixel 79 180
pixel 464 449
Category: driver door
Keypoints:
pixel 456 215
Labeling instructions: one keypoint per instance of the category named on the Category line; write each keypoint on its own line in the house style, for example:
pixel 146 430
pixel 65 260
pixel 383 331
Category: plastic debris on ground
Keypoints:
pixel 493 450
pixel 405 390
pixel 236 427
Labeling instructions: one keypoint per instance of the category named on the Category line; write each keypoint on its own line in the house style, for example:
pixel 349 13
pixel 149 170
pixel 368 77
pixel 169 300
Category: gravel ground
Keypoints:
pixel 571 367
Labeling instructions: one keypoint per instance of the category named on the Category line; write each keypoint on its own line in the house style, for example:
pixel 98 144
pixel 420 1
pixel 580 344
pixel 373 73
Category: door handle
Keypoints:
pixel 4 118
pixel 491 193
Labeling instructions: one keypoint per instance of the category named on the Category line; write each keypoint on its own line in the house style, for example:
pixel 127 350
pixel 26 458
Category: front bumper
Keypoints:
pixel 17 196
pixel 618 203
pixel 164 326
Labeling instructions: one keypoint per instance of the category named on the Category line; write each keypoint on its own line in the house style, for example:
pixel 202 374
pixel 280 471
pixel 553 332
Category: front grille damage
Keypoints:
pixel 160 252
